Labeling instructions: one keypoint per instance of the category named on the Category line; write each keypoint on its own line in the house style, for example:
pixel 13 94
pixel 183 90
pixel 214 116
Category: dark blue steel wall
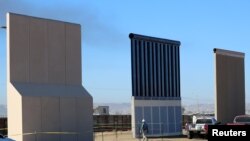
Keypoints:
pixel 161 120
pixel 155 68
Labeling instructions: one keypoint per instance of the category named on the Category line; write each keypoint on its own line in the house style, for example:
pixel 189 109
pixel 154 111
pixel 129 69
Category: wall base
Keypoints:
pixel 162 116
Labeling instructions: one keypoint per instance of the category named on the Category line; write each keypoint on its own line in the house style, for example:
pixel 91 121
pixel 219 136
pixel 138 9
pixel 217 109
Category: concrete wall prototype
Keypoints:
pixel 155 85
pixel 230 85
pixel 44 85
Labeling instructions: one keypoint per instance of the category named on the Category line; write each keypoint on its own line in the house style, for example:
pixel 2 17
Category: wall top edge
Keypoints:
pixel 229 53
pixel 28 16
pixel 153 39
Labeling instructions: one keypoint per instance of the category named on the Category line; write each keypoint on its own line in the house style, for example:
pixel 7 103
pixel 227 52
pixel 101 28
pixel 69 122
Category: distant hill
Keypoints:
pixel 116 108
pixel 125 108
pixel 205 108
pixel 201 108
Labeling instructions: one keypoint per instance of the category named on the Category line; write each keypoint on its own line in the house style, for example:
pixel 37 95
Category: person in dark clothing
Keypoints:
pixel 144 130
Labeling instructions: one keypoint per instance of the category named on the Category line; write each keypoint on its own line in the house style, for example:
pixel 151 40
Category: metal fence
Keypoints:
pixel 111 122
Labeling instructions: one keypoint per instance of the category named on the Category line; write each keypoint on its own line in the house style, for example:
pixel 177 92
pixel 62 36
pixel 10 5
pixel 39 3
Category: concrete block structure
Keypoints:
pixel 230 85
pixel 155 85
pixel 44 81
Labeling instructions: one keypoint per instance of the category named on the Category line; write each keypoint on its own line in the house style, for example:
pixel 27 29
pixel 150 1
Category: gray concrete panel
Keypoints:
pixel 57 54
pixel 84 118
pixel 39 98
pixel 19 32
pixel 73 54
pixel 67 113
pixel 32 121
pixel 68 117
pixel 51 117
pixel 38 51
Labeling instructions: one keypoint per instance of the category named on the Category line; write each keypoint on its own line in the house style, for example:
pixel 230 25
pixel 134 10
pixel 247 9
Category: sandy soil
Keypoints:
pixel 127 136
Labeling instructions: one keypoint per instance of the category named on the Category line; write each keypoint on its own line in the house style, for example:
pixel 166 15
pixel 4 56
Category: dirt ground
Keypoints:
pixel 127 136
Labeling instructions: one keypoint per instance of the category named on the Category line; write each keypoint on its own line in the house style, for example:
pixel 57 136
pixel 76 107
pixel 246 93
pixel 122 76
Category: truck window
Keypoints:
pixel 208 121
pixel 243 119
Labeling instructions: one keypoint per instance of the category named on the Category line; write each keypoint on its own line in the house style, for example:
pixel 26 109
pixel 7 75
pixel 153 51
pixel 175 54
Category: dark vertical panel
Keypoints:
pixel 178 118
pixel 159 69
pixel 152 73
pixel 138 117
pixel 142 69
pixel 170 70
pixel 133 61
pixel 146 68
pixel 137 68
pixel 173 68
pixel 151 70
pixel 166 70
pixel 162 71
pixel 156 120
pixel 171 119
pixel 155 70
pixel 176 69
pixel 177 73
pixel 163 119
pixel 230 86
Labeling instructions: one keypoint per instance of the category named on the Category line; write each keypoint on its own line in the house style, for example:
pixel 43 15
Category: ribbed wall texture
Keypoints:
pixel 155 67
pixel 155 85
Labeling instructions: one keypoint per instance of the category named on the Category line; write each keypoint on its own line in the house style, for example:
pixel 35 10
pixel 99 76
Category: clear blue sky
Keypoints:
pixel 199 25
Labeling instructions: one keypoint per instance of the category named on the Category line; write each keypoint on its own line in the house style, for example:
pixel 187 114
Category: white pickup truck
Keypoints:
pixel 200 127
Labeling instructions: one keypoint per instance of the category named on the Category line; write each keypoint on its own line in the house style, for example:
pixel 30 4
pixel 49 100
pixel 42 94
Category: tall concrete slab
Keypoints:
pixel 230 84
pixel 44 85
pixel 57 42
pixel 19 66
pixel 73 54
pixel 38 51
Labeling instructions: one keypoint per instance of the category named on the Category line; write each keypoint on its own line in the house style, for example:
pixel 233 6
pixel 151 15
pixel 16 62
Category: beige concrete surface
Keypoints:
pixel 44 84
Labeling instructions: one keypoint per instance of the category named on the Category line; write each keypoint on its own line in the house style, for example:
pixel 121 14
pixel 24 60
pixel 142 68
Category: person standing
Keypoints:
pixel 144 130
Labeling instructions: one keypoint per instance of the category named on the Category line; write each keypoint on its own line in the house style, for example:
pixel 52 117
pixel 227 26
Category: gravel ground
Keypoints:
pixel 127 136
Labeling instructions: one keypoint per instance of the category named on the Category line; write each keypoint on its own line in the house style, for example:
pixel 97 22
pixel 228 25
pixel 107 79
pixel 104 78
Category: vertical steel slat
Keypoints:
pixel 142 69
pixel 166 70
pixel 173 70
pixel 170 70
pixel 146 68
pixel 138 68
pixel 155 68
pixel 159 69
pixel 162 72
pixel 133 60
pixel 151 76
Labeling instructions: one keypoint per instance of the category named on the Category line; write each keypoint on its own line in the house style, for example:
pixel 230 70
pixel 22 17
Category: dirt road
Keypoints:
pixel 127 136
